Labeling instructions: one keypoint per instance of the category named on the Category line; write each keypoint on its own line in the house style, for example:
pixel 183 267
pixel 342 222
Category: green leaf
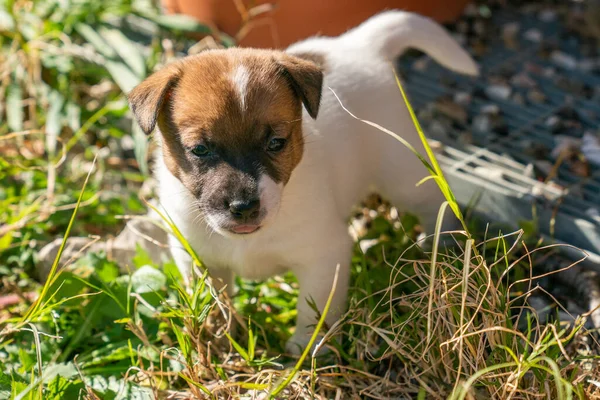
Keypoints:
pixel 62 388
pixel 147 280
pixel 118 389
pixel 92 37
pixel 6 384
pixel 122 75
pixel 179 23
pixel 238 347
pixel 183 340
pixel 66 286
pixel 125 49
pixel 251 342
pixel 17 388
pixel 65 370
pixel 196 384
pixel 171 271
pixel 119 352
pixel 141 257
pixel 107 271
pixel 83 328
pixel 27 361
pixel 14 108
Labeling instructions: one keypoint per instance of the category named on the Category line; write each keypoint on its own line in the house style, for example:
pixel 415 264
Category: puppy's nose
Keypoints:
pixel 242 209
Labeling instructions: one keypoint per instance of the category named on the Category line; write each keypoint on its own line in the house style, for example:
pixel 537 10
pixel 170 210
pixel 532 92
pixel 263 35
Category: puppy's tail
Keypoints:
pixel 393 32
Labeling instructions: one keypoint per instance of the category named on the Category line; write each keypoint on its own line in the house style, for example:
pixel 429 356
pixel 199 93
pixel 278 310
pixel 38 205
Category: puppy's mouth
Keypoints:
pixel 244 229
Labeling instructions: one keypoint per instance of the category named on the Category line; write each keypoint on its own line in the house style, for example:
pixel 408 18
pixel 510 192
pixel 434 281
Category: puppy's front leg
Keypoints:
pixel 316 280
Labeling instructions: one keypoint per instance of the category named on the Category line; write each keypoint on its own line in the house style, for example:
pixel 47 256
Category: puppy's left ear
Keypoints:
pixel 148 99
pixel 306 78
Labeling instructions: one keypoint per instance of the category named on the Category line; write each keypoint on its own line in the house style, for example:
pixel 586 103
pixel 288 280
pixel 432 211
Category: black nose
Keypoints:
pixel 244 210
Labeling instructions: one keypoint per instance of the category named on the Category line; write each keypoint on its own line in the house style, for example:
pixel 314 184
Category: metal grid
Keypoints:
pixel 566 208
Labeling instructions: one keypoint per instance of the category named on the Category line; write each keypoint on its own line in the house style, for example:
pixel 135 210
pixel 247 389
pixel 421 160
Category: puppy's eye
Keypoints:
pixel 276 144
pixel 201 151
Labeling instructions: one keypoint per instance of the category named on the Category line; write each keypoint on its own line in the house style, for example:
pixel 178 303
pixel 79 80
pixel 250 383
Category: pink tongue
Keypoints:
pixel 244 228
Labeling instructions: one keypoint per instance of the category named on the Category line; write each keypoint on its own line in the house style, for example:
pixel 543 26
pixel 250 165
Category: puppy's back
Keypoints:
pixel 391 33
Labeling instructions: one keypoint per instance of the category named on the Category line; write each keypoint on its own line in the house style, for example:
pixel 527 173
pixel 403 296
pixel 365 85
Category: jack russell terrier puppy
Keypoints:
pixel 260 166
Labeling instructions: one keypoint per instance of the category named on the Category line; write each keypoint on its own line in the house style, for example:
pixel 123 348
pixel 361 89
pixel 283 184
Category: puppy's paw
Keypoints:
pixel 297 343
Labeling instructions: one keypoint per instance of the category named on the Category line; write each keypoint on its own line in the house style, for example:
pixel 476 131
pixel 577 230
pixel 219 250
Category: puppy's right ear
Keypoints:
pixel 306 79
pixel 147 99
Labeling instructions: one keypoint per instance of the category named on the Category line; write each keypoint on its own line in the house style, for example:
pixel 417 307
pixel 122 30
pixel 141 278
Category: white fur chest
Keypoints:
pixel 250 258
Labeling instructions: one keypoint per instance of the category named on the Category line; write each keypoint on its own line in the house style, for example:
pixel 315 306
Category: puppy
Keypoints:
pixel 260 166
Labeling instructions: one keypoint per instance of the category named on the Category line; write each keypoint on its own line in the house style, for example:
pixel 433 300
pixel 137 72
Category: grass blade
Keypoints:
pixel 465 288
pixel 442 183
pixel 14 108
pixel 52 274
pixel 432 274
pixel 251 342
pixel 238 347
pixel 461 393
pixel 296 368
pixel 38 352
pixel 191 382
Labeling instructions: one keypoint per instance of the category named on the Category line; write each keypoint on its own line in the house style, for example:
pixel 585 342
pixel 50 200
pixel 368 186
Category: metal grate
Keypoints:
pixel 499 168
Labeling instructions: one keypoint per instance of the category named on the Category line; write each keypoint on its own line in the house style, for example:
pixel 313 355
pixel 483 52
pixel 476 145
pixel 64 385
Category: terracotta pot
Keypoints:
pixel 279 23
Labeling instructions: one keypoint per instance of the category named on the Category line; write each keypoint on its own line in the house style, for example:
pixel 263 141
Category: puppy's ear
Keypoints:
pixel 149 97
pixel 306 78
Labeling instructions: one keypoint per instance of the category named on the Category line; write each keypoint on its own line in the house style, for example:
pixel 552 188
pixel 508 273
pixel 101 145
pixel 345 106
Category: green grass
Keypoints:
pixel 452 323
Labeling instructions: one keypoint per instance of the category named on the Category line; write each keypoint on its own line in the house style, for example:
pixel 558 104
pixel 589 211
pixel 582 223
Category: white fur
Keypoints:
pixel 270 197
pixel 240 79
pixel 343 159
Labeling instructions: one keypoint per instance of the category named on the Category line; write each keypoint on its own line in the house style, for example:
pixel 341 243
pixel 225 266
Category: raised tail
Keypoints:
pixel 393 32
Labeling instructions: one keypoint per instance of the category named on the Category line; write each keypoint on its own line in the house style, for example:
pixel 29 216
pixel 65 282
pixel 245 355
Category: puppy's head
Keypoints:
pixel 231 127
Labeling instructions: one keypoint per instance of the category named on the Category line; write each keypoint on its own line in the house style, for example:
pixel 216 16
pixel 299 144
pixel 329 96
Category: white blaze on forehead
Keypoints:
pixel 240 77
